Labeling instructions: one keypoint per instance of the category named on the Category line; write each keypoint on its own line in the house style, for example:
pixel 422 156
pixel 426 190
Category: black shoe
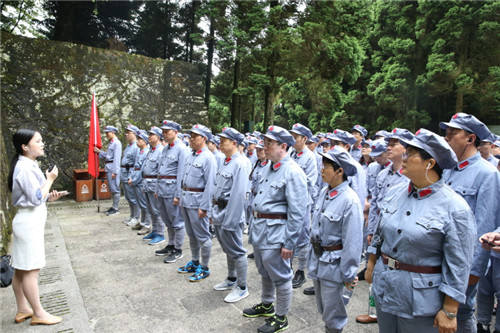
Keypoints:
pixel 298 279
pixel 165 251
pixel 251 256
pixel 259 310
pixel 110 209
pixel 483 328
pixel 112 212
pixel 361 275
pixel 211 228
pixel 274 324
pixel 173 256
pixel 310 291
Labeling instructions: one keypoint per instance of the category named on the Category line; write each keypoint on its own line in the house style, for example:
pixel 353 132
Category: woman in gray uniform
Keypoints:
pixel 30 190
pixel 425 243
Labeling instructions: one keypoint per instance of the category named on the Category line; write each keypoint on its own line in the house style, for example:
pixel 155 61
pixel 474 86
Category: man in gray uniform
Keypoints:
pixel 197 185
pixel 127 166
pixel 112 156
pixel 228 196
pixel 278 216
pixel 307 161
pixel 172 163
pixel 149 170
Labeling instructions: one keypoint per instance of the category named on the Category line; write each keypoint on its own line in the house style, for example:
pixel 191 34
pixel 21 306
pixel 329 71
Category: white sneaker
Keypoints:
pixel 133 221
pixel 225 285
pixel 127 220
pixel 236 294
pixel 245 231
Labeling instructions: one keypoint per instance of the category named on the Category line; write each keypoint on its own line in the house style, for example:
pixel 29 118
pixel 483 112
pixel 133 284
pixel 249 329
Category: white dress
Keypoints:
pixel 28 248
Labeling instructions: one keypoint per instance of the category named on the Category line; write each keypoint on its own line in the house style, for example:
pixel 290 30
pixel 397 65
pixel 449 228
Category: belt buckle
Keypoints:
pixel 255 214
pixel 391 263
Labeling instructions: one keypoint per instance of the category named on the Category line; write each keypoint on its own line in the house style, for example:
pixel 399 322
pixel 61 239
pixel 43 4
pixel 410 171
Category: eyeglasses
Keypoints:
pixel 270 143
pixel 406 155
pixel 326 166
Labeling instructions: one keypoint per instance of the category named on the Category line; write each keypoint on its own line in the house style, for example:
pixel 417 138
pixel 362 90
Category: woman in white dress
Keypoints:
pixel 30 190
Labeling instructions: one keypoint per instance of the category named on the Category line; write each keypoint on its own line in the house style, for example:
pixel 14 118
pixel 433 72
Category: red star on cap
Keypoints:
pixel 335 132
pixel 271 128
pixel 165 122
pixel 373 147
pixel 454 116
pixel 418 132
pixel 295 125
pixel 394 131
pixel 195 126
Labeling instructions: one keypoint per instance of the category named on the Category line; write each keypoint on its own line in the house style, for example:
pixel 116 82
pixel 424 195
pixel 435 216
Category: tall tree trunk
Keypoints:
pixel 235 95
pixel 192 30
pixel 210 57
pixel 65 23
pixel 270 90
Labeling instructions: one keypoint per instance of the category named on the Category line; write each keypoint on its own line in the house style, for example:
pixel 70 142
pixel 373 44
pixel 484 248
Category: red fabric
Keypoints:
pixel 94 140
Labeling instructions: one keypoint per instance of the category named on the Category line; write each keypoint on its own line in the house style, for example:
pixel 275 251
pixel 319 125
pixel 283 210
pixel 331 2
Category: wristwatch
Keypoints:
pixel 449 314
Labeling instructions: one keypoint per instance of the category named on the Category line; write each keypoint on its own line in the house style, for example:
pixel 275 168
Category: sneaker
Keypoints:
pixel 200 274
pixel 144 230
pixel 259 310
pixel 225 285
pixel 245 231
pixel 165 251
pixel 157 239
pixel 274 324
pixel 138 226
pixel 236 294
pixel 173 256
pixel 133 221
pixel 189 268
pixel 127 220
pixel 113 212
pixel 310 291
pixel 483 328
pixel 149 236
pixel 110 209
pixel 361 275
pixel 211 228
pixel 298 279
pixel 251 256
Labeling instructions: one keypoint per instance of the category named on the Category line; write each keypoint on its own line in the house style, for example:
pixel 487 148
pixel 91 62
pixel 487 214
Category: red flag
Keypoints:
pixel 94 140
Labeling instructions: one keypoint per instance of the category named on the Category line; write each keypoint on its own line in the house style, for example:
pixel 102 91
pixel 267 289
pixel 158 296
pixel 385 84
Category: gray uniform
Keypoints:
pixel 231 183
pixel 171 170
pixel 197 184
pixel 136 176
pixel 307 161
pixel 150 169
pixel 113 157
pixel 128 161
pixel 281 192
pixel 337 220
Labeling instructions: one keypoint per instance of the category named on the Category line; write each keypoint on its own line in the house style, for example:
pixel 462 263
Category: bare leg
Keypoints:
pixel 17 285
pixel 30 289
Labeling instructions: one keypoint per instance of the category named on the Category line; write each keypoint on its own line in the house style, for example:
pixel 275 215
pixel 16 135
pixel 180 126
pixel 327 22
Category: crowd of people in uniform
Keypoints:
pixel 420 211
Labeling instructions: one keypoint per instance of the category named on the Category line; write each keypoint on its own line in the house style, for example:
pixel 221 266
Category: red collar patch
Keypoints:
pixel 276 166
pixel 463 165
pixel 250 153
pixel 198 152
pixel 425 192
pixel 172 144
pixel 153 148
pixel 130 144
pixel 111 140
pixel 333 194
pixel 409 188
pixel 264 163
pixel 300 154
pixel 387 164
pixel 228 160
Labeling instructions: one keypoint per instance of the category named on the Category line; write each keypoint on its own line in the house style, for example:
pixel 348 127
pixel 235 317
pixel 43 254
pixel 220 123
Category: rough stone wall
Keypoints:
pixel 7 211
pixel 47 86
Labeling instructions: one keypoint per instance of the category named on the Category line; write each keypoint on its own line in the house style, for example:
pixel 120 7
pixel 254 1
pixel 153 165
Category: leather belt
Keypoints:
pixel 190 189
pixel 137 169
pixel 167 177
pixel 394 264
pixel 333 248
pixel 155 177
pixel 270 216
pixel 107 162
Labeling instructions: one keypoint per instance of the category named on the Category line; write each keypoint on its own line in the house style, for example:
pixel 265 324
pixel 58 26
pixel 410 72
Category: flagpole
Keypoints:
pixel 96 182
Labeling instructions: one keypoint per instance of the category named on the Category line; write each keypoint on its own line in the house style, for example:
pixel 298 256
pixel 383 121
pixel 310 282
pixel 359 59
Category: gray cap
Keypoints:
pixel 342 157
pixel 110 129
pixel 201 130
pixel 468 123
pixel 400 134
pixel 171 125
pixel 132 128
pixel 156 131
pixel 280 134
pixel 378 147
pixel 232 134
pixel 435 145
pixel 142 134
pixel 301 130
pixel 360 129
pixel 342 136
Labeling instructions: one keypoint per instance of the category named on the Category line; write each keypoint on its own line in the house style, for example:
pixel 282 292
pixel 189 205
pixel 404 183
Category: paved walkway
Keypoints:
pixel 101 277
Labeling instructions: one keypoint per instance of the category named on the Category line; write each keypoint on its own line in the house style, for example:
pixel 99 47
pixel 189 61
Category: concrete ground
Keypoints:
pixel 102 277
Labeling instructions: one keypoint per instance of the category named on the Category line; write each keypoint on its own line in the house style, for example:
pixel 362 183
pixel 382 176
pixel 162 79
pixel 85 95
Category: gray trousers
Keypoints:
pixel 231 243
pixel 276 278
pixel 129 192
pixel 199 236
pixel 389 323
pixel 466 321
pixel 330 304
pixel 153 209
pixel 489 287
pixel 171 216
pixel 142 206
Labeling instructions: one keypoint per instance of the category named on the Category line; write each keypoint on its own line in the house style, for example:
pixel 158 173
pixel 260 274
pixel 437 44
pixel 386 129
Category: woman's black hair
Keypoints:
pixel 21 137
pixel 335 166
pixel 426 156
